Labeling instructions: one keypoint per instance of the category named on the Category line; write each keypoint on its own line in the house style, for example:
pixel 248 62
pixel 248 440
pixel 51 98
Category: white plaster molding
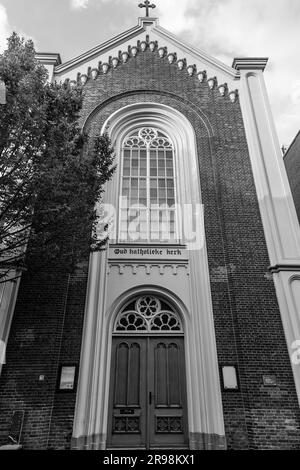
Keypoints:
pixel 180 64
pixel 134 51
pixel 115 62
pixel 124 56
pixel 171 57
pixel 105 67
pixel 201 76
pixel 212 82
pixel 48 58
pixel 92 352
pixel 250 63
pixel 143 46
pixel 138 267
pixel 83 79
pixel 222 89
pixel 190 69
pixel 94 73
pixel 233 95
pixel 161 52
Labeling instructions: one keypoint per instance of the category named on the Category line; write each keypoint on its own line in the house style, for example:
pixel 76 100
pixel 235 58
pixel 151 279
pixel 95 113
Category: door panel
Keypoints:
pixel 127 377
pixel 148 393
pixel 167 411
pixel 127 419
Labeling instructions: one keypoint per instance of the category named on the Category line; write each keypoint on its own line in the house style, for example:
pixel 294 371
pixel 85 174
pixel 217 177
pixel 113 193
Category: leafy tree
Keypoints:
pixel 51 175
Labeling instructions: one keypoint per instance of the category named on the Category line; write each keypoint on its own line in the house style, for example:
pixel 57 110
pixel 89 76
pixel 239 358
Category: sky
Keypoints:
pixel 223 28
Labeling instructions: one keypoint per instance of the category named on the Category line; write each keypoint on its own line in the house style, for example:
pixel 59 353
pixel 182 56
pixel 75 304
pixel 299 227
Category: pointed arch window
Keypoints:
pixel 148 189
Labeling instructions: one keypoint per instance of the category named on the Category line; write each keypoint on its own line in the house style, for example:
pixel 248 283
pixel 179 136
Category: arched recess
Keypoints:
pixel 148 404
pixel 178 128
pixel 205 414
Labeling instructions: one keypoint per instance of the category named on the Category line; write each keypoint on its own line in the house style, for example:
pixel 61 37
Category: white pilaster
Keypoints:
pixel 8 296
pixel 50 61
pixel 276 204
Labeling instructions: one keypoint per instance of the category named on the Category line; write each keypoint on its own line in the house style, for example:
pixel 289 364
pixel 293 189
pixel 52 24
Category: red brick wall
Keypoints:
pixel 292 165
pixel 247 320
pixel 46 331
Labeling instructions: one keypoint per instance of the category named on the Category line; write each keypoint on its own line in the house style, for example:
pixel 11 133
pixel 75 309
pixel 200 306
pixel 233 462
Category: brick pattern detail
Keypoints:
pixel 248 326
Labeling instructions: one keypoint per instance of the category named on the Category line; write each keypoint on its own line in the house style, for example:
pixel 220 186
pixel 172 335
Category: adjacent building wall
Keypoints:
pixel 292 165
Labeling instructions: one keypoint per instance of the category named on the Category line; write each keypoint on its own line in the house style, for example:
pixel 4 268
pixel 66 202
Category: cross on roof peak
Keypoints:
pixel 147 5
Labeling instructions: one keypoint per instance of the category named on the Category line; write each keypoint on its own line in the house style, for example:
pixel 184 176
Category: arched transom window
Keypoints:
pixel 147 208
pixel 148 314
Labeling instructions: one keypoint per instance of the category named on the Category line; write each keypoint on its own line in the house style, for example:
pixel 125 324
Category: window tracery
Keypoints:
pixel 148 314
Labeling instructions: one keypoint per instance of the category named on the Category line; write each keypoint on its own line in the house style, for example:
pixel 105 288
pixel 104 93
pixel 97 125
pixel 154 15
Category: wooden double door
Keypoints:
pixel 148 408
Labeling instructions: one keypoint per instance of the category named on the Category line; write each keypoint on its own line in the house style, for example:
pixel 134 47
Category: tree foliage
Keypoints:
pixel 51 174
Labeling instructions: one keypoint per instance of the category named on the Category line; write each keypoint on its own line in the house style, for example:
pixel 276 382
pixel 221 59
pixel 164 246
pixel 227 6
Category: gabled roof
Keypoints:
pixel 148 34
pixel 155 32
pixel 147 30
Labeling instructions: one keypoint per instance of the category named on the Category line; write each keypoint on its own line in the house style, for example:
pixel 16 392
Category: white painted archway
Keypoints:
pixel 205 415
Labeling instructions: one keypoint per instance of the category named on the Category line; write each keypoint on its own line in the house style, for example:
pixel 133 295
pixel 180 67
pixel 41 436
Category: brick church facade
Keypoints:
pixel 172 345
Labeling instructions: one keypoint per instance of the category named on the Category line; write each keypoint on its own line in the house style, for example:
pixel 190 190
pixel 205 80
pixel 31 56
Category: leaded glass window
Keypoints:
pixel 147 209
pixel 149 314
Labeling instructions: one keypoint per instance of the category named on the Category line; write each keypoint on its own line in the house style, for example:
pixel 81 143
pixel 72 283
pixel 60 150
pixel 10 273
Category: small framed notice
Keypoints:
pixel 67 378
pixel 270 380
pixel 229 377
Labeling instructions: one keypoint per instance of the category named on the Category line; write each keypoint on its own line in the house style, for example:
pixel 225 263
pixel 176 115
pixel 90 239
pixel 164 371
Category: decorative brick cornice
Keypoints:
pixel 141 47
